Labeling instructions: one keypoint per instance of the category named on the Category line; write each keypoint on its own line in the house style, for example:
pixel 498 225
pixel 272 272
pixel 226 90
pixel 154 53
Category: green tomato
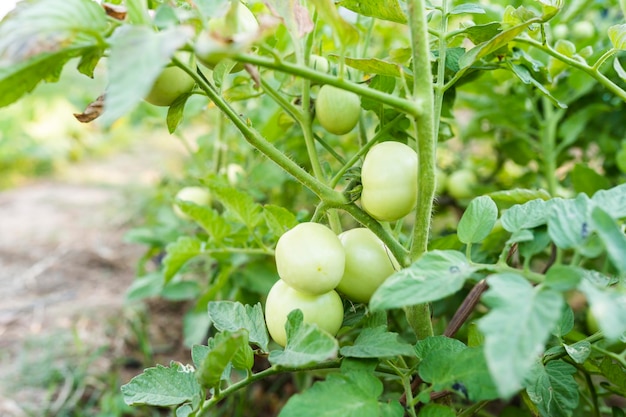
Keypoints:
pixel 583 30
pixel 461 184
pixel 325 310
pixel 234 32
pixel 169 85
pixel 337 110
pixel 560 31
pixel 310 258
pixel 319 63
pixel 389 179
pixel 368 264
pixel 197 195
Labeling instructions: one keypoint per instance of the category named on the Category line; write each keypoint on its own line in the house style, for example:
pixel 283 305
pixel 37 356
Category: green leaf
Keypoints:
pixel 436 345
pixel 180 290
pixel 137 57
pixel 392 10
pixel 579 351
pixel 614 372
pixel 178 253
pixel 565 323
pixel 434 276
pixel 306 344
pixel 232 316
pixel 163 386
pixel 342 30
pixel 607 306
pixel 146 286
pixel 507 198
pixel 563 277
pixel 525 76
pixel 175 112
pixel 587 180
pixel 568 224
pixel 477 220
pixel 482 33
pixel 436 410
pixel 209 219
pixel 613 201
pixel 377 342
pixel 538 244
pixel 278 219
pixel 223 348
pixel 495 43
pixel 517 327
pixel 553 389
pixel 467 8
pixel 350 394
pixel 449 364
pixel 377 66
pixel 38 39
pixel 617 35
pixel 612 236
pixel 240 205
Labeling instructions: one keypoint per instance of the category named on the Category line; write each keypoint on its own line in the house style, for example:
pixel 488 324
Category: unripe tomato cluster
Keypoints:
pixel 314 266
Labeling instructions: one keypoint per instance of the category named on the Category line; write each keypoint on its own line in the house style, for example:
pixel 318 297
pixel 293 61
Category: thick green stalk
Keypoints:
pixel 419 316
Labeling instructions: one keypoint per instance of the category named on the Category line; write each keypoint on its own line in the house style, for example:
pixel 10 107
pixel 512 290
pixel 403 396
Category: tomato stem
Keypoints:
pixel 419 316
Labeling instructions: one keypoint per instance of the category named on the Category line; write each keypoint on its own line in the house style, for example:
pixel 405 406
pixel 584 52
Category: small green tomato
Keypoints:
pixel 337 110
pixel 461 184
pixel 325 310
pixel 368 264
pixel 169 85
pixel 197 195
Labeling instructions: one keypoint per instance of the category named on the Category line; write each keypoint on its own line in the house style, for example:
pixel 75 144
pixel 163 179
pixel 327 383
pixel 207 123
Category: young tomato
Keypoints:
pixel 389 179
pixel 461 184
pixel 325 310
pixel 169 85
pixel 337 110
pixel 310 258
pixel 198 195
pixel 368 264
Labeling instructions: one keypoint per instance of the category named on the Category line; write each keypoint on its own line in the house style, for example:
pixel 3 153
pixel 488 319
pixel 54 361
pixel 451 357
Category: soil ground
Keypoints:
pixel 64 266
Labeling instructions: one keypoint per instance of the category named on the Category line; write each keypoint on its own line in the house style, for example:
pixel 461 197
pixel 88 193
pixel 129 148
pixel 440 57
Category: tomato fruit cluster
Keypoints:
pixel 337 110
pixel 389 179
pixel 315 266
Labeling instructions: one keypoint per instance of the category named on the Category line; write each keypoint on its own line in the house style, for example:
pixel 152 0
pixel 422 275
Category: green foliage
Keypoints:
pixel 533 119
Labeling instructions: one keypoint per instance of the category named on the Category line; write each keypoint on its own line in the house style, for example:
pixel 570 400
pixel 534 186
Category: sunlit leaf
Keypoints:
pixel 617 35
pixel 477 220
pixel 179 253
pixel 517 327
pixel 392 10
pixel 163 386
pixel 233 316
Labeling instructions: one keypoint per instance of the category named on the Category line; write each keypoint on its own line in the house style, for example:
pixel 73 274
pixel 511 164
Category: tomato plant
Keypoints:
pixel 482 315
pixel 389 178
pixel 324 310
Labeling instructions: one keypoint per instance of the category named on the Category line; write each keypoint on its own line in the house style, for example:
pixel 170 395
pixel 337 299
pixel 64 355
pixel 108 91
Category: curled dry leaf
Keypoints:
pixel 115 11
pixel 92 111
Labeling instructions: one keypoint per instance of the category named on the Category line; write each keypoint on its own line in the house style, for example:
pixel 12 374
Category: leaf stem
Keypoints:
pixel 583 66
pixel 273 370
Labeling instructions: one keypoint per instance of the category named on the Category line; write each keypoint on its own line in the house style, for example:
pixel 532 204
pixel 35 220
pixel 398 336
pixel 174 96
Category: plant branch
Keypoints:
pixel 254 138
pixel 402 104
pixel 583 66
